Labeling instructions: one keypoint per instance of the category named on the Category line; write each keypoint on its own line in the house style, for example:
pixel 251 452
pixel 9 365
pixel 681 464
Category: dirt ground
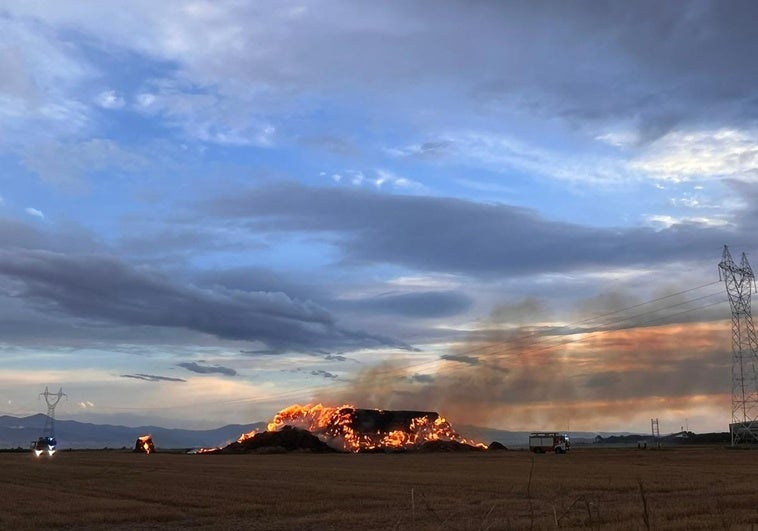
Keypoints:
pixel 676 488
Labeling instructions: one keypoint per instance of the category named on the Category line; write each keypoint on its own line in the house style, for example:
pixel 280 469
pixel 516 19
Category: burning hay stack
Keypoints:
pixel 317 428
pixel 144 445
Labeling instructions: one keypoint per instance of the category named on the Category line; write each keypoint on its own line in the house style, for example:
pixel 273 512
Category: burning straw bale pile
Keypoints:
pixel 316 428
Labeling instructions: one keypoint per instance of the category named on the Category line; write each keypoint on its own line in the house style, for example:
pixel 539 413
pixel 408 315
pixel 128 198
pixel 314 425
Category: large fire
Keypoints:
pixel 358 430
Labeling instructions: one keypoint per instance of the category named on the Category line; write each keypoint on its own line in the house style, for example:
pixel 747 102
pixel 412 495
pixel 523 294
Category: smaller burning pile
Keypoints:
pixel 144 445
pixel 288 439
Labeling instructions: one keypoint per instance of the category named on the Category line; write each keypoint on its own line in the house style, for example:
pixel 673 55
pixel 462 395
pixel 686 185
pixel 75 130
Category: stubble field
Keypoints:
pixel 681 488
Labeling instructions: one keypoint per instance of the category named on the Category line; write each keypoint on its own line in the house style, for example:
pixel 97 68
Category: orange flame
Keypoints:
pixel 206 450
pixel 146 443
pixel 334 425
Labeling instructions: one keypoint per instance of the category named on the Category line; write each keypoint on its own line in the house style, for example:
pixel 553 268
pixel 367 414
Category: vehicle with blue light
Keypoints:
pixel 46 445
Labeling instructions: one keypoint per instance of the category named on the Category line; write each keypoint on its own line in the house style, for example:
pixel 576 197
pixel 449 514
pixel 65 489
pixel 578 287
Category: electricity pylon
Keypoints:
pixel 656 432
pixel 51 399
pixel 740 282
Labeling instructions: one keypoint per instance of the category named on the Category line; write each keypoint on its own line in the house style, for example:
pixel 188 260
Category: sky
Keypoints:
pixel 508 212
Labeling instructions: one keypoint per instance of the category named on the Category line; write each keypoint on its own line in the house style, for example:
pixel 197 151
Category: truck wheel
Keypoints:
pixel 560 450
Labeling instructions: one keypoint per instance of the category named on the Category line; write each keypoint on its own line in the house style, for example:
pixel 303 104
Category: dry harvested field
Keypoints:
pixel 682 488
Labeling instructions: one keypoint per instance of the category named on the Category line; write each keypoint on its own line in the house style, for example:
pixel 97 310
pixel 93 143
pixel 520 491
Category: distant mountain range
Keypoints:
pixel 20 431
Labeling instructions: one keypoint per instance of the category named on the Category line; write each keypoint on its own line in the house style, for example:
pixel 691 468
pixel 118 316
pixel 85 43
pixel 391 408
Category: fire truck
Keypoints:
pixel 540 443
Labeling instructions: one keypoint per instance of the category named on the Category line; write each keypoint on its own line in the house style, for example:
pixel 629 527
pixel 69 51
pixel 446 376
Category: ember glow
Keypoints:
pixel 358 430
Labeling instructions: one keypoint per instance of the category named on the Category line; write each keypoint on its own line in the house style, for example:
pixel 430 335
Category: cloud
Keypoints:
pixel 438 234
pixel 34 212
pixel 325 374
pixel 261 352
pixel 60 237
pixel 430 304
pixel 205 369
pixel 702 155
pixel 101 288
pixel 314 372
pixel 66 165
pixel 38 89
pixel 152 378
pixel 665 221
pixel 145 99
pixel 110 99
pixel 329 143
pixel 504 154
pixel 208 116
pixel 468 360
pixel 256 278
pixel 386 177
pixel 427 150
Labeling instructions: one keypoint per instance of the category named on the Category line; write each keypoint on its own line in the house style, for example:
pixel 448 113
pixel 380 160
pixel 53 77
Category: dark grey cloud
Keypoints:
pixel 587 62
pixel 335 357
pixel 102 288
pixel 646 62
pixel 207 369
pixel 152 378
pixel 459 236
pixel 313 372
pixel 651 63
pixel 64 236
pixel 325 374
pixel 260 279
pixel 260 352
pixel 460 358
pixel 480 361
pixel 421 304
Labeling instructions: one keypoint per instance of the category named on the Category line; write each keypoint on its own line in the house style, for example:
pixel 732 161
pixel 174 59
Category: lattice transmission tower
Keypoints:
pixel 51 399
pixel 740 283
pixel 656 432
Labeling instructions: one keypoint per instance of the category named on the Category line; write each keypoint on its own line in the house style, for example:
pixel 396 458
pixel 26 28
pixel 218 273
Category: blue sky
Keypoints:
pixel 510 213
